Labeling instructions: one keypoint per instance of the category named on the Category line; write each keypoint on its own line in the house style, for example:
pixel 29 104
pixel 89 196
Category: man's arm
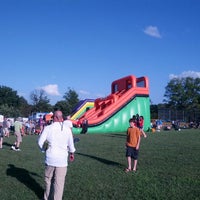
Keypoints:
pixel 71 148
pixel 42 139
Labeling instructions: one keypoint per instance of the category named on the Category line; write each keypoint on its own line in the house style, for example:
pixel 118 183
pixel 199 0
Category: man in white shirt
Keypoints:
pixel 58 140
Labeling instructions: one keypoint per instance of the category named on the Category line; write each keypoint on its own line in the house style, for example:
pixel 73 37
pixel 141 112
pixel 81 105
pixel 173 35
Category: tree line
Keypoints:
pixel 180 94
pixel 13 105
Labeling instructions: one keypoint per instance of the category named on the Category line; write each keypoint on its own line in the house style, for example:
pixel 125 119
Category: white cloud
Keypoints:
pixel 51 89
pixel 185 74
pixel 152 31
pixel 83 92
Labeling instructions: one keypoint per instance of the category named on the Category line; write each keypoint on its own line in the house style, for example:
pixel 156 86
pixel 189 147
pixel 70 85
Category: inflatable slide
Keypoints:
pixel 129 96
pixel 81 108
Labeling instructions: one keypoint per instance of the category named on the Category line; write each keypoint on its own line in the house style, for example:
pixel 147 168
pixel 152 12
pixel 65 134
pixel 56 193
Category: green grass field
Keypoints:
pixel 168 168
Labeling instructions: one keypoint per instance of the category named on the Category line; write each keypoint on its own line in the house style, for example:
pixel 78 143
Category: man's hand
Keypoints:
pixel 71 157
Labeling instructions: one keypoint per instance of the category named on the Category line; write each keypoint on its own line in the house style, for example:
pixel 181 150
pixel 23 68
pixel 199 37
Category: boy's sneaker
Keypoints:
pixel 17 149
pixel 13 147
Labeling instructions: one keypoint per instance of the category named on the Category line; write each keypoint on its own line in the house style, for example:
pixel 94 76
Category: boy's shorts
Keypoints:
pixel 132 152
pixel 18 136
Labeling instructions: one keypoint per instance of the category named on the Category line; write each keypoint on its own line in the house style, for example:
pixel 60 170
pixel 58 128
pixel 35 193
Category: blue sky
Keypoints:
pixel 86 44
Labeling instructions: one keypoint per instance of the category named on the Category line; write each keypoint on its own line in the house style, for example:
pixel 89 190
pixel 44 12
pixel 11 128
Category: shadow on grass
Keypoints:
pixel 7 144
pixel 103 160
pixel 115 135
pixel 25 177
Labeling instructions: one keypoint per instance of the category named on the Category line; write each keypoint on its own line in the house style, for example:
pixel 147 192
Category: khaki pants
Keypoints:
pixel 54 182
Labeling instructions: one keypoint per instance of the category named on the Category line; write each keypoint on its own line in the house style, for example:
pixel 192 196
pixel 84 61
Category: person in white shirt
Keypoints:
pixel 57 141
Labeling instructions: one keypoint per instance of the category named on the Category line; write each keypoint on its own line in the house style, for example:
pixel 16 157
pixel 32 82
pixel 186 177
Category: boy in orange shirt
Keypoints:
pixel 132 146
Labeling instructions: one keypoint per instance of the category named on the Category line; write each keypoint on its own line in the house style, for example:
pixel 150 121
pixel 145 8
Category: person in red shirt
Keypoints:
pixel 141 126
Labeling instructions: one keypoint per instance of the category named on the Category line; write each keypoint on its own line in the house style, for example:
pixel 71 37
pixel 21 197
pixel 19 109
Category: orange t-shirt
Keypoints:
pixel 133 134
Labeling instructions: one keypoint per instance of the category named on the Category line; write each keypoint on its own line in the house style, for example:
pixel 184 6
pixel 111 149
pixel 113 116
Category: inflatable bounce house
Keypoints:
pixel 129 96
pixel 82 107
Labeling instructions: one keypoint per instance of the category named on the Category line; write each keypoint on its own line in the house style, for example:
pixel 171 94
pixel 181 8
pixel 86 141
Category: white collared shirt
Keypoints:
pixel 60 141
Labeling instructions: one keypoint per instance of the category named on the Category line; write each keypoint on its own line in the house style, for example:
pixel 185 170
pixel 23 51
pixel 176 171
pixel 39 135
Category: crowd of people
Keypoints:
pixel 19 129
pixel 160 125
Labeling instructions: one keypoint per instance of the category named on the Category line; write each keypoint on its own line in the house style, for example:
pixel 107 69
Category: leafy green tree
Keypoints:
pixel 154 111
pixel 40 101
pixel 63 106
pixel 183 93
pixel 71 98
pixel 9 97
pixel 8 111
pixel 25 108
pixel 9 102
pixel 70 101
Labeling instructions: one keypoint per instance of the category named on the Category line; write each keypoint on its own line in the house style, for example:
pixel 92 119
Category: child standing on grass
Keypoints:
pixel 132 146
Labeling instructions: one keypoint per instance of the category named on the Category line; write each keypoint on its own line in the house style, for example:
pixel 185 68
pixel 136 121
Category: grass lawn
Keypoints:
pixel 168 168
